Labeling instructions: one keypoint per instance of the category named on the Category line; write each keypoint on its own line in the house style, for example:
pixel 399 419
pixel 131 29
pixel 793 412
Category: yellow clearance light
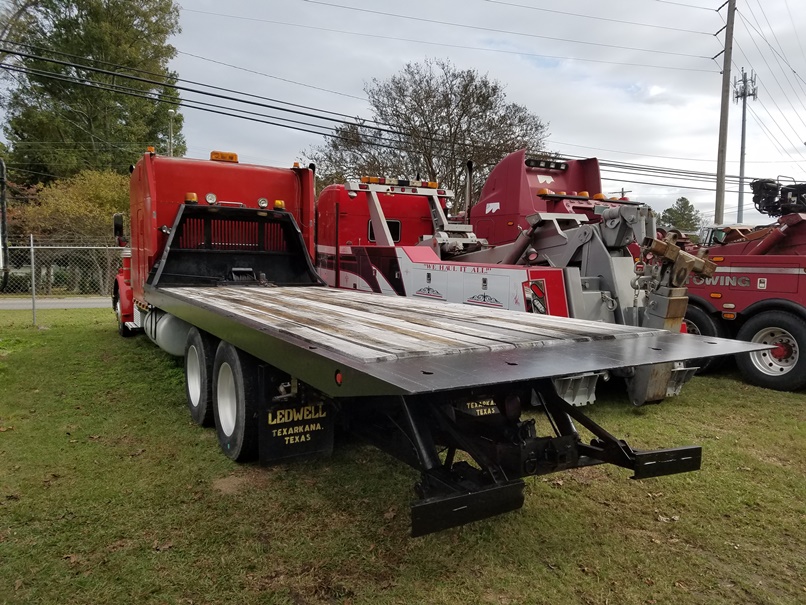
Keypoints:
pixel 545 192
pixel 296 164
pixel 600 196
pixel 191 198
pixel 224 156
pixel 729 316
pixel 583 194
pixel 561 193
pixel 715 295
pixel 279 205
pixel 364 179
pixel 717 259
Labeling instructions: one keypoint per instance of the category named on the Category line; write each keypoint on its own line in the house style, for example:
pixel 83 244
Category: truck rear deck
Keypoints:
pixel 398 346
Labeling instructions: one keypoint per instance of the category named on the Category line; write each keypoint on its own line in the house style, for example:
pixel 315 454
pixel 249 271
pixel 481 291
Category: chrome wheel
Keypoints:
pixel 781 359
pixel 226 398
pixel 194 377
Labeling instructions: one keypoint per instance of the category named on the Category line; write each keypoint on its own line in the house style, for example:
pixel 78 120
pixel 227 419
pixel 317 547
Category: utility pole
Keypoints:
pixel 719 208
pixel 171 113
pixel 744 88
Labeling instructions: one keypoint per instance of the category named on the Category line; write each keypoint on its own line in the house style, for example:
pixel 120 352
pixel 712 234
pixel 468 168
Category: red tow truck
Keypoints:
pixel 758 292
pixel 560 251
pixel 219 271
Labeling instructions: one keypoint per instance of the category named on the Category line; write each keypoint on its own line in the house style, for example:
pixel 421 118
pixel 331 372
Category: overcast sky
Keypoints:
pixel 622 80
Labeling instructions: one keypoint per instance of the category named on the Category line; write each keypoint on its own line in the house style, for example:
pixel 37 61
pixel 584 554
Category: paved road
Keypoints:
pixel 76 302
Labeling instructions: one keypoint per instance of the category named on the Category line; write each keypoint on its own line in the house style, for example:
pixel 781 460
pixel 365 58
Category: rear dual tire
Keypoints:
pixel 235 409
pixel 200 349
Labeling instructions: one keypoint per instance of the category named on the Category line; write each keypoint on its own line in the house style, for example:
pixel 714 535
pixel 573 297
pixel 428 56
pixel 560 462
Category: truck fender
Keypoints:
pixel 123 292
pixel 703 303
pixel 774 304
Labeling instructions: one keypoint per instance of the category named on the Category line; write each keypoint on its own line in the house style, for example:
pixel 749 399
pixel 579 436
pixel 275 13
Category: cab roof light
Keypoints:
pixel 224 156
pixel 583 194
pixel 548 164
pixel 279 205
pixel 379 180
pixel 191 198
pixel 545 191
pixel 599 196
pixel 150 149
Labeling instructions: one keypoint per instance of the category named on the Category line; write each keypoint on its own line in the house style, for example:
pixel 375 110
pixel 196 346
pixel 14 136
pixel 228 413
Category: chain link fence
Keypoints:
pixel 61 268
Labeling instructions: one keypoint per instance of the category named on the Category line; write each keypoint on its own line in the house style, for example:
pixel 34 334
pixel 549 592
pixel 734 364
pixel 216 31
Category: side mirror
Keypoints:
pixel 117 228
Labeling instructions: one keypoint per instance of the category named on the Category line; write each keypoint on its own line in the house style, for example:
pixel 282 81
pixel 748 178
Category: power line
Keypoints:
pixel 159 75
pixel 625 168
pixel 583 16
pixel 500 31
pixel 446 45
pixel 705 8
pixel 664 157
pixel 329 132
pixel 618 168
pixel 797 35
pixel 260 73
pixel 786 96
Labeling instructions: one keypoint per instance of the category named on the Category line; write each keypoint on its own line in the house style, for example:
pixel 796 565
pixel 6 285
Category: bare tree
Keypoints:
pixel 428 121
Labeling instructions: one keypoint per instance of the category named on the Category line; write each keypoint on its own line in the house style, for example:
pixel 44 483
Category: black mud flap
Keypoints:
pixel 655 463
pixel 295 431
pixel 442 512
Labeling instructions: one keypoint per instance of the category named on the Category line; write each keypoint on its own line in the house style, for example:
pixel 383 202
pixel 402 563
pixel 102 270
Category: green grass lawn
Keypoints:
pixel 109 494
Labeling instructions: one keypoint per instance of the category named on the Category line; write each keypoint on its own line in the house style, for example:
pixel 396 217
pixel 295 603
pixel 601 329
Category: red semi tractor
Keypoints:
pixel 219 271
pixel 559 251
pixel 758 292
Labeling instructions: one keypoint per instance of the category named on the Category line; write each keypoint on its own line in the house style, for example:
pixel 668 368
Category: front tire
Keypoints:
pixel 701 323
pixel 235 407
pixel 782 368
pixel 123 329
pixel 200 351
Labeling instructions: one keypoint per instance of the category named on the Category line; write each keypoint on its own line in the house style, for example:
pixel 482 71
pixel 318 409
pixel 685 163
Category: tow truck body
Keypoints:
pixel 275 360
pixel 758 292
pixel 527 249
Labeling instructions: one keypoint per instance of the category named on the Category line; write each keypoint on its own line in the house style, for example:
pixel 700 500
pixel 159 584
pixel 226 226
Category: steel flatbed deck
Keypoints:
pixel 382 345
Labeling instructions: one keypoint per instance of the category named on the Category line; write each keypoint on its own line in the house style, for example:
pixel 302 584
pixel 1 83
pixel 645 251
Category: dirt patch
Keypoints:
pixel 238 482
pixel 230 485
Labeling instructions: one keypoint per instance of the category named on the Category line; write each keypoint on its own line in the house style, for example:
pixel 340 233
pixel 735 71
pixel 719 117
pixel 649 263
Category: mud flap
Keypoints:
pixel 442 512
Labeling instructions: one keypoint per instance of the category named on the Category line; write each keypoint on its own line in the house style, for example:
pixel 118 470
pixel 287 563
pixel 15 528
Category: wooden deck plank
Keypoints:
pixel 371 327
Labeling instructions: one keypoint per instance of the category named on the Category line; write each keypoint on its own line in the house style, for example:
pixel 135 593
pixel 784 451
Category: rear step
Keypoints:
pixel 443 512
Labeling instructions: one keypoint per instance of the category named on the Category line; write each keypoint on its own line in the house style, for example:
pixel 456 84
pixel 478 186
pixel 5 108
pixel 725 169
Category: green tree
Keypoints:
pixel 63 117
pixel 78 208
pixel 681 215
pixel 428 120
